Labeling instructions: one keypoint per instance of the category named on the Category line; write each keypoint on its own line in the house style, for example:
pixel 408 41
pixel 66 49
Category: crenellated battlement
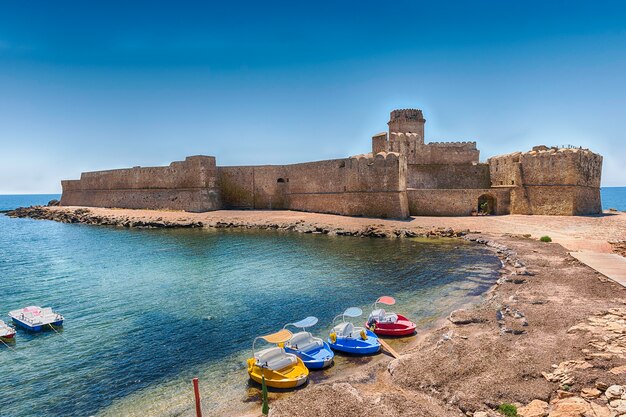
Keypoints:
pixel 407 121
pixel 455 144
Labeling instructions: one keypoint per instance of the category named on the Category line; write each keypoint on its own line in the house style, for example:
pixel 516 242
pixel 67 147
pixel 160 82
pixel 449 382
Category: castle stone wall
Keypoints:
pixel 556 200
pixel 448 176
pixel 550 180
pixel 416 152
pixel 357 186
pixel 455 202
pixel 187 185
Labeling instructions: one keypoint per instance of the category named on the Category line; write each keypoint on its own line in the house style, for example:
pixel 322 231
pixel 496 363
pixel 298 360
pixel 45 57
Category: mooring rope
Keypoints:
pixel 55 330
pixel 13 349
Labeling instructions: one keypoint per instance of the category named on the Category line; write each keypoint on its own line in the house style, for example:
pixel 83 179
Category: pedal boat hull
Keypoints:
pixel 36 327
pixel 357 346
pixel 318 358
pixel 402 327
pixel 290 377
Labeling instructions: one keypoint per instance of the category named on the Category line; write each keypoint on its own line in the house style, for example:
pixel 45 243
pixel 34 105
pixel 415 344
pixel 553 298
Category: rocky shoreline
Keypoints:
pixel 86 216
pixel 548 340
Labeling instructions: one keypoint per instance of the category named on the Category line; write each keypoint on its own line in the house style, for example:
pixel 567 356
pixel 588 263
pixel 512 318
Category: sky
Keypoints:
pixel 87 86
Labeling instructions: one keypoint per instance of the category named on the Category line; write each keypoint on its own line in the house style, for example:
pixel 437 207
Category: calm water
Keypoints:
pixel 613 197
pixel 147 310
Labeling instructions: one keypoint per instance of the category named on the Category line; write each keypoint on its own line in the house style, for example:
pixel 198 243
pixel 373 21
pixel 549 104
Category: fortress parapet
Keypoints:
pixel 407 121
pixel 183 185
pixel 563 181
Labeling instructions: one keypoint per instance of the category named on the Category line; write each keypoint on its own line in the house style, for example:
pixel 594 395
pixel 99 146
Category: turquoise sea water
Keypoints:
pixel 613 197
pixel 147 310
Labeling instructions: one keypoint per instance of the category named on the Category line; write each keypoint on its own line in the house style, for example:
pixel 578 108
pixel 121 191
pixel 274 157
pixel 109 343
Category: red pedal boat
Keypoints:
pixel 6 332
pixel 388 324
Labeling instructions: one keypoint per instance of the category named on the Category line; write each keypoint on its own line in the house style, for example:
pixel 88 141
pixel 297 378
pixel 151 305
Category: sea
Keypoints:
pixel 147 310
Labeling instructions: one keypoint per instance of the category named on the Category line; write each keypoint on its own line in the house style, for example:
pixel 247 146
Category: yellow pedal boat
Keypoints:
pixel 280 369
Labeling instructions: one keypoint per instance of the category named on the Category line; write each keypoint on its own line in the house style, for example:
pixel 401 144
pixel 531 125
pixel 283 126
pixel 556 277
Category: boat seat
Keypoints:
pixel 348 330
pixel 383 317
pixel 275 358
pixel 305 342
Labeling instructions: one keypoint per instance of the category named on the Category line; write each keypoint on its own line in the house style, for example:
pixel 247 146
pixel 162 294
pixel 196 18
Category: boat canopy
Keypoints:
pixel 353 312
pixel 385 299
pixel 304 323
pixel 280 336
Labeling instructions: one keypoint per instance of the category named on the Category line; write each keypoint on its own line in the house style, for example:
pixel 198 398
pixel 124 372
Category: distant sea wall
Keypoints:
pixel 185 185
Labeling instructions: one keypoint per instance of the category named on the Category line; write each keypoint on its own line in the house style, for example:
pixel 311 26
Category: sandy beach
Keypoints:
pixel 550 337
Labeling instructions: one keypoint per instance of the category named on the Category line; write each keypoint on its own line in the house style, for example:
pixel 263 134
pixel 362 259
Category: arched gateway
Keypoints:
pixel 487 204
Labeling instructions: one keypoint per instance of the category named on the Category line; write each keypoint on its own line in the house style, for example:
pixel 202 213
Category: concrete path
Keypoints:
pixel 608 264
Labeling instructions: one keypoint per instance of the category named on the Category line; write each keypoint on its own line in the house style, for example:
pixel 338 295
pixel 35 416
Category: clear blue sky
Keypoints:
pixel 86 86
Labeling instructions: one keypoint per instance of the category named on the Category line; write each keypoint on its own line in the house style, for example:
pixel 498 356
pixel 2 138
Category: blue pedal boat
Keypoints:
pixel 35 318
pixel 346 337
pixel 314 352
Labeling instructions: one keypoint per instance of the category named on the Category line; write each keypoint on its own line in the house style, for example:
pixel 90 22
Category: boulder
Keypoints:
pixel 599 411
pixel 461 316
pixel 590 393
pixel 618 370
pixel 614 392
pixel 535 408
pixel 570 407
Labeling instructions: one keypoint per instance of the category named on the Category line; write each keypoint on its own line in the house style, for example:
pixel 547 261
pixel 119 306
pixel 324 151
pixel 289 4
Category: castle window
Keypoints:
pixel 512 182
pixel 282 180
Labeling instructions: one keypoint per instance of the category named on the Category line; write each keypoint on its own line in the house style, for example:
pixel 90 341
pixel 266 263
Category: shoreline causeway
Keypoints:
pixel 549 337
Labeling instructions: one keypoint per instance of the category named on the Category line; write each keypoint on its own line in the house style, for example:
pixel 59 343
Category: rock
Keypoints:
pixel 53 203
pixel 599 411
pixel 480 414
pixel 461 316
pixel 614 392
pixel 618 370
pixel 536 408
pixel 560 394
pixel 562 372
pixel 618 406
pixel 590 393
pixel 602 386
pixel 570 407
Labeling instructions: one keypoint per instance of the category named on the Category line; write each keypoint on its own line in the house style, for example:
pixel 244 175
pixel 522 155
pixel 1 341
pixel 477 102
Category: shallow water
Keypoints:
pixel 147 310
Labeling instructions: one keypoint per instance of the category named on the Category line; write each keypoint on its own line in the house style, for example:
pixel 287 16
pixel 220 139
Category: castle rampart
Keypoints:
pixel 402 176
pixel 187 185
pixel 358 186
pixel 563 181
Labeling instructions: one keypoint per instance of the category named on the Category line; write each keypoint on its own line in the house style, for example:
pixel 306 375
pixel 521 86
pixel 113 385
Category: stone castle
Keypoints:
pixel 402 176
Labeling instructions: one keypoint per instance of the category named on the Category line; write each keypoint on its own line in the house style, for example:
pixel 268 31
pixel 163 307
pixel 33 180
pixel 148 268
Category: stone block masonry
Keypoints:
pixel 189 185
pixel 402 176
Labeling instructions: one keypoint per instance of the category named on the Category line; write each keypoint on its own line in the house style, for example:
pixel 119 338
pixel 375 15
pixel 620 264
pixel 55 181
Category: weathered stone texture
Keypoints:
pixel 452 202
pixel 449 176
pixel 550 180
pixel 358 186
pixel 407 121
pixel 187 185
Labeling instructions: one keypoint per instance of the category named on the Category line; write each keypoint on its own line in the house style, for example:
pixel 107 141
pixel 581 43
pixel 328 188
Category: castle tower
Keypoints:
pixel 407 121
